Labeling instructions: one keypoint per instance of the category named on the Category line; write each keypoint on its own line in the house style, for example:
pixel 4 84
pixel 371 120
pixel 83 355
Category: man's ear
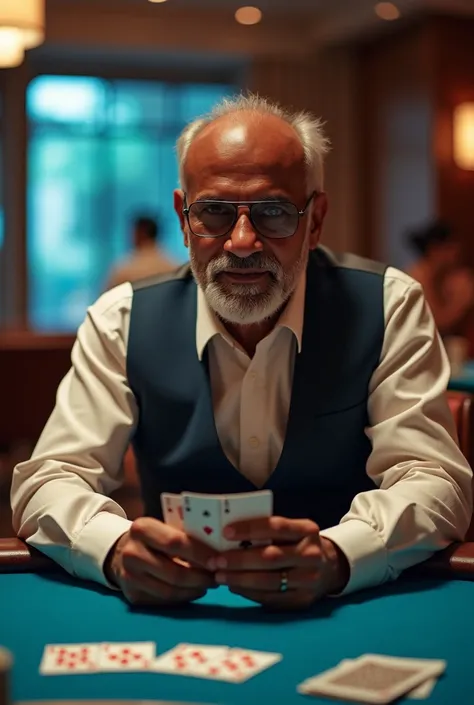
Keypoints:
pixel 318 213
pixel 178 200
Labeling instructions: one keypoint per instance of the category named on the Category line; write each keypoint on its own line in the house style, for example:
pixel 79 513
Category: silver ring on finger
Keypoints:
pixel 283 581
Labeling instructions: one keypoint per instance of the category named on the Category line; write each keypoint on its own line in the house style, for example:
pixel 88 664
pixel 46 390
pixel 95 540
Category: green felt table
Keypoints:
pixel 420 618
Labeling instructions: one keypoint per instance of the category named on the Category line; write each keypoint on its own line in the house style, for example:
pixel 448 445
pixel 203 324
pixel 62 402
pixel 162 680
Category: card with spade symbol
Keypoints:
pixel 246 505
pixel 205 516
pixel 202 518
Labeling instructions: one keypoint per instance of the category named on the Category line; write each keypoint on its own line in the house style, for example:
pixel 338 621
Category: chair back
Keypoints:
pixel 461 405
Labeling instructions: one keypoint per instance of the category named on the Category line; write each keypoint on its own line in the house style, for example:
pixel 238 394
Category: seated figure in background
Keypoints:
pixel 448 285
pixel 147 258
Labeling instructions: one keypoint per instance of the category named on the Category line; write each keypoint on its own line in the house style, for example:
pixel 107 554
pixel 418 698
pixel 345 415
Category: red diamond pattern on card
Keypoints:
pixel 65 659
pixel 136 656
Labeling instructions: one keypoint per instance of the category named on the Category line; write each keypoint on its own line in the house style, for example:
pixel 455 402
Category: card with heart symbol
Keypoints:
pixel 202 518
pixel 205 516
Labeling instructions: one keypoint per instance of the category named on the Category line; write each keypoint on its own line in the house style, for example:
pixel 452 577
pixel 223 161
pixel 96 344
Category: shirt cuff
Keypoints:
pixel 91 546
pixel 365 552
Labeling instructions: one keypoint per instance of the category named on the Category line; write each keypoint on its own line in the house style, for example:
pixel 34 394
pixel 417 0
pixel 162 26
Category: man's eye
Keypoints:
pixel 214 209
pixel 273 211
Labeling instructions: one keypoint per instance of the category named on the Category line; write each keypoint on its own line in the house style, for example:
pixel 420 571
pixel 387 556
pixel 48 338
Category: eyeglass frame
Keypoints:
pixel 300 214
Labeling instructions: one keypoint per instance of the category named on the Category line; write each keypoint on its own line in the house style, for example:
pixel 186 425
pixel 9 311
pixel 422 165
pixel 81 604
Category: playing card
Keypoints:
pixel 205 516
pixel 65 659
pixel 214 662
pixel 137 656
pixel 172 507
pixel 188 659
pixel 238 665
pixel 202 518
pixel 421 692
pixel 246 505
pixel 373 678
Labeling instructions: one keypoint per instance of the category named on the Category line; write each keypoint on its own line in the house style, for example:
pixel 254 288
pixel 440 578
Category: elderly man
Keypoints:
pixel 268 363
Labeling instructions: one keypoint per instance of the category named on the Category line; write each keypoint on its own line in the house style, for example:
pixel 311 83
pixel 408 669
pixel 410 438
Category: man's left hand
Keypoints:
pixel 299 562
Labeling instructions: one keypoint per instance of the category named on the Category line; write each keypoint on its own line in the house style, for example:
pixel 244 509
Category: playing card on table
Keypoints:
pixel 172 508
pixel 373 678
pixel 214 662
pixel 205 516
pixel 238 665
pixel 421 692
pixel 65 659
pixel 188 659
pixel 137 656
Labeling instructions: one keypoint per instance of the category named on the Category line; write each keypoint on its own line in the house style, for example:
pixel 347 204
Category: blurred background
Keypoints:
pixel 90 114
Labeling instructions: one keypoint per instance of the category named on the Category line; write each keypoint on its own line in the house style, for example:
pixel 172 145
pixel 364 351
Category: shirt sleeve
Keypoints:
pixel 59 496
pixel 422 500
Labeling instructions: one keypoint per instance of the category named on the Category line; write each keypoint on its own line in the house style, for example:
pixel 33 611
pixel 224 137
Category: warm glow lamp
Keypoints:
pixel 463 136
pixel 21 27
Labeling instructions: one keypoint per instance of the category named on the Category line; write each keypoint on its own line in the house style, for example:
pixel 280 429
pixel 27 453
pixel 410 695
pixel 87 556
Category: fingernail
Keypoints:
pixel 220 578
pixel 221 562
pixel 229 532
pixel 211 564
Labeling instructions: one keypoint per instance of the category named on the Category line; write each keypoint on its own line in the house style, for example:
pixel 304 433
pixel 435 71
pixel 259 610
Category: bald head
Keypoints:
pixel 244 146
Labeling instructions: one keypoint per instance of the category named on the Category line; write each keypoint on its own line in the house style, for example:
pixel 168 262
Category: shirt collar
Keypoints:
pixel 209 325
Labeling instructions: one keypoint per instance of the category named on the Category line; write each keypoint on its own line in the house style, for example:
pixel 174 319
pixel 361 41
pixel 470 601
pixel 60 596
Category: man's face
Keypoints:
pixel 246 276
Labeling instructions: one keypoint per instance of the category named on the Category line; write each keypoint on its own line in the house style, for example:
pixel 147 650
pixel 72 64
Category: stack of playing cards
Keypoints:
pixel 204 516
pixel 376 679
pixel 223 663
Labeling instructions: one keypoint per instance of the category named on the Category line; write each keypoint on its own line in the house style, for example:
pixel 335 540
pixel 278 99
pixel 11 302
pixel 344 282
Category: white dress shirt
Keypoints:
pixel 421 499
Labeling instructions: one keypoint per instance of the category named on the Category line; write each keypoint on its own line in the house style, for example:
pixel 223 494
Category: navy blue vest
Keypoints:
pixel 322 465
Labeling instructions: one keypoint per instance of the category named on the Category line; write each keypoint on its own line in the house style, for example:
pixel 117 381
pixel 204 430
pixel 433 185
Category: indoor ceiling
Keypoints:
pixel 332 19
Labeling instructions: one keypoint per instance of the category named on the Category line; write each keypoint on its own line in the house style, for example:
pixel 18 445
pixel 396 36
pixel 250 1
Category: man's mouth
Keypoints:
pixel 244 276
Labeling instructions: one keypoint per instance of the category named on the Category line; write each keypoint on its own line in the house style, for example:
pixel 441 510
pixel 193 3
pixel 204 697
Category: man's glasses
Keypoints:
pixel 272 219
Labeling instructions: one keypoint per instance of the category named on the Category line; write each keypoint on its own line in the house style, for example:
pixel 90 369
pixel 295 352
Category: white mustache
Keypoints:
pixel 255 261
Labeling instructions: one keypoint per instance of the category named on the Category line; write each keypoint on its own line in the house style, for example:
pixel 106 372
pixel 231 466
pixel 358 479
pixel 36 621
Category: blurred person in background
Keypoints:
pixel 147 258
pixel 447 283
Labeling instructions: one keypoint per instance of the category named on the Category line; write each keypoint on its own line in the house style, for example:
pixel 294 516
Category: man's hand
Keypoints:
pixel 156 564
pixel 313 566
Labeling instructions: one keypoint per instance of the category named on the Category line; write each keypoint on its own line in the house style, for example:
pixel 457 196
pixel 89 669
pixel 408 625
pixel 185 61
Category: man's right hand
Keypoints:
pixel 156 564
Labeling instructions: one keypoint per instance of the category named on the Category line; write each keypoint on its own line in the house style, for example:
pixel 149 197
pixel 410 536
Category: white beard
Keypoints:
pixel 246 304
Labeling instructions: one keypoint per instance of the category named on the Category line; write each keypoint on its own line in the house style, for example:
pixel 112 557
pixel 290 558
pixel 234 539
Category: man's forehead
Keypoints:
pixel 246 148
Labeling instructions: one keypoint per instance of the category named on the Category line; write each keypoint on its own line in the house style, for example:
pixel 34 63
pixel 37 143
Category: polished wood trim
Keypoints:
pixel 454 562
pixel 17 557
pixel 27 340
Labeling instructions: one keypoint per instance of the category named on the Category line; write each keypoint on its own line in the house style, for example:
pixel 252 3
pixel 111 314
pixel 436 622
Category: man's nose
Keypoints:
pixel 243 240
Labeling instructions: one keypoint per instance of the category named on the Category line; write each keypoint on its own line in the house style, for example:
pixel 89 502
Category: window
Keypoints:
pixel 100 151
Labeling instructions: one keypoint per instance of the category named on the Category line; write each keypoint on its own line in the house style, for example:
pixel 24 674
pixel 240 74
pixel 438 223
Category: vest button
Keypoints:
pixel 254 442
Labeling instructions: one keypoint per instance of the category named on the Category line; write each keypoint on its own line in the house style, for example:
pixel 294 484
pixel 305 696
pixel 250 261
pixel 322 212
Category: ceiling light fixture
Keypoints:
pixel 387 11
pixel 248 15
pixel 21 27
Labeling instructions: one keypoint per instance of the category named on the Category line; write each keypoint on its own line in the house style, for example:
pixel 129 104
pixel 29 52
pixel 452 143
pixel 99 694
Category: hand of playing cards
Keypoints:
pixel 376 679
pixel 204 516
pixel 222 663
